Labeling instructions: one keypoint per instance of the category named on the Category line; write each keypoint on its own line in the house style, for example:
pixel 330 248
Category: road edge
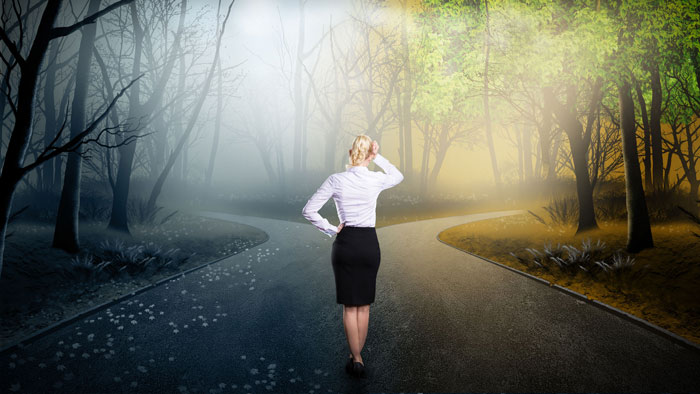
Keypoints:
pixel 69 320
pixel 609 308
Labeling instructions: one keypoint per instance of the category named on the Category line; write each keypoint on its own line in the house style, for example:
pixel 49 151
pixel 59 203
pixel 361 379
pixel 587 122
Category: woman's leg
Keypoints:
pixel 362 324
pixel 351 330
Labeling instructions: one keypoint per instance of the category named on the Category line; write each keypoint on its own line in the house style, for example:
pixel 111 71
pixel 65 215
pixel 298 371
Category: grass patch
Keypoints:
pixel 659 285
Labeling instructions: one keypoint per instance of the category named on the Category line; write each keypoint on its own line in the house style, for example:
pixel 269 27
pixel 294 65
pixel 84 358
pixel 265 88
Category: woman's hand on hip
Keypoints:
pixel 340 227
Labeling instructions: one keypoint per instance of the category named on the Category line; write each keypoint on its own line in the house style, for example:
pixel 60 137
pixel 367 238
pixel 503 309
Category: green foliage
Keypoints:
pixel 546 43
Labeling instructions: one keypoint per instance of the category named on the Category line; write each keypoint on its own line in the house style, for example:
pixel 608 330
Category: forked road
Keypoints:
pixel 265 320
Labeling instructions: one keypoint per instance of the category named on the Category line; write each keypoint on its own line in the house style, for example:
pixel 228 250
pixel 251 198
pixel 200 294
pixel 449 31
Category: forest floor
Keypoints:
pixel 41 285
pixel 660 285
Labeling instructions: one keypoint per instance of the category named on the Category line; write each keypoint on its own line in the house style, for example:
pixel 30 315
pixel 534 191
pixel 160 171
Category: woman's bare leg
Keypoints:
pixel 362 324
pixel 351 331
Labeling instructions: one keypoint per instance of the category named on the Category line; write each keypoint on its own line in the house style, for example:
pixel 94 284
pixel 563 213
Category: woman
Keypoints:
pixel 355 255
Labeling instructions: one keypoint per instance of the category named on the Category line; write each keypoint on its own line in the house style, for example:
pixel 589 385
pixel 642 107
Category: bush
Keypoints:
pixel 563 210
pixel 86 269
pixel 94 207
pixel 611 206
pixel 134 259
pixel 590 258
pixel 120 259
pixel 662 205
pixel 139 212
pixel 42 204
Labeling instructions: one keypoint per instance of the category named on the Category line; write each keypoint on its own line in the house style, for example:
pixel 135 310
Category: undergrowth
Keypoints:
pixel 591 259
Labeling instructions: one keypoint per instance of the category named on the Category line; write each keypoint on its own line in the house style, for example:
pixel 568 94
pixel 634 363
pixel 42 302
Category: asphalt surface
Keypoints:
pixel 265 320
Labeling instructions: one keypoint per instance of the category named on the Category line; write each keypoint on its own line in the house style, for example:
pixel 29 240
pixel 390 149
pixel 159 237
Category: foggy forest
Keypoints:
pixel 145 142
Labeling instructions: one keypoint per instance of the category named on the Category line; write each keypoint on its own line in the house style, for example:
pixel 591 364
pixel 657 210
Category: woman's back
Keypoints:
pixel 355 193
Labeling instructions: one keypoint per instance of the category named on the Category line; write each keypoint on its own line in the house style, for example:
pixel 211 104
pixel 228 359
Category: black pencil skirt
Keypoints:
pixel 355 258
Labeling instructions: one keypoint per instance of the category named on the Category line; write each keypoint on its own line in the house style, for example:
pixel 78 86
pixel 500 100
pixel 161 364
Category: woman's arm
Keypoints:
pixel 318 200
pixel 392 176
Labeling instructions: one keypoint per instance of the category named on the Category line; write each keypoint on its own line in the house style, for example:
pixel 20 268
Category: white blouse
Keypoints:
pixel 355 193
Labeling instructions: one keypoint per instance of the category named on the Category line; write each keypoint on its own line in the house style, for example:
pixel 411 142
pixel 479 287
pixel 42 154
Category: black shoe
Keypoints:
pixel 349 365
pixel 358 369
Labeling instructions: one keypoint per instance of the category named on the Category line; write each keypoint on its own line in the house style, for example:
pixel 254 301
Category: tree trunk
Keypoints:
pixel 538 161
pixel 443 146
pixel 546 139
pixel 579 153
pixel 647 138
pixel 279 156
pixel 487 114
pixel 691 172
pixel 638 226
pixel 119 217
pixel 179 166
pixel 21 135
pixel 13 169
pixel 217 129
pixel 157 146
pixel 58 167
pixel 137 112
pixel 425 161
pixel 66 233
pixel 158 187
pixel 406 111
pixel 655 127
pixel 330 142
pixel 3 102
pixel 50 123
pixel 521 159
pixel 267 162
pixel 695 59
pixel 402 162
pixel 7 192
pixel 298 102
pixel 527 152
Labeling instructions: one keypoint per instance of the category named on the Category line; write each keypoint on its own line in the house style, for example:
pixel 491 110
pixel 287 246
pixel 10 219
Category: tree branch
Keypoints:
pixel 64 31
pixel 12 47
pixel 51 152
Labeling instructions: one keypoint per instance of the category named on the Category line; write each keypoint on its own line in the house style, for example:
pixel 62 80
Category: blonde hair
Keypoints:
pixel 360 150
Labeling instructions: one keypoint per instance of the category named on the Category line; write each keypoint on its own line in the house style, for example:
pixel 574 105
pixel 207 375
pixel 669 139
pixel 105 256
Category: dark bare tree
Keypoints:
pixel 14 167
pixel 158 187
pixel 66 231
pixel 139 111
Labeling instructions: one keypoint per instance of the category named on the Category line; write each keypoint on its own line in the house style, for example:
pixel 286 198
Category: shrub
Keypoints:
pixel 133 259
pixel 42 204
pixel 590 258
pixel 563 210
pixel 85 268
pixel 611 206
pixel 94 207
pixel 138 211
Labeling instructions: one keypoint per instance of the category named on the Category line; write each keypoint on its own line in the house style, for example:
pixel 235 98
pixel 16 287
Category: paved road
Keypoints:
pixel 265 320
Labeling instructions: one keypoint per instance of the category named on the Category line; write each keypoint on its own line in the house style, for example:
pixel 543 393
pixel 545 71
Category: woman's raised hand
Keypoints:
pixel 373 150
